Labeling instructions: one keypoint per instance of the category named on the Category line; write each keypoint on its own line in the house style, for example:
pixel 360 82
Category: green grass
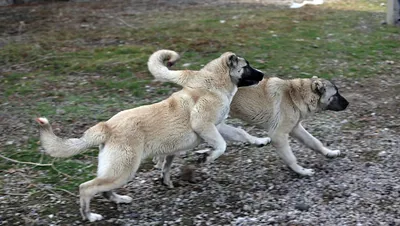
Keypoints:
pixel 56 71
pixel 68 174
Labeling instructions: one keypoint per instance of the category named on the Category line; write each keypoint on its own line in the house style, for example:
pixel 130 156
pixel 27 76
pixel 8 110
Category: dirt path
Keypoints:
pixel 251 185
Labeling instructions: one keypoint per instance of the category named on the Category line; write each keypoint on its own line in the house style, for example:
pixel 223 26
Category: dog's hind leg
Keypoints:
pixel 159 161
pixel 237 134
pixel 166 176
pixel 281 143
pixel 311 142
pixel 113 172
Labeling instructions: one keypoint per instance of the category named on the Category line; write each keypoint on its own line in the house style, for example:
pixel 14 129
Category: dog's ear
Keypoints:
pixel 233 61
pixel 318 87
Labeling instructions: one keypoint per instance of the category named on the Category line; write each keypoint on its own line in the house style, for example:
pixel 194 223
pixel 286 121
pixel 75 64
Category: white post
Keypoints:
pixel 393 12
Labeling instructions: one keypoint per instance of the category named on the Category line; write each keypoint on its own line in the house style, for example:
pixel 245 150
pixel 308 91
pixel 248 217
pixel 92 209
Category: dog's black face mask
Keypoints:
pixel 337 102
pixel 242 73
pixel 250 76
pixel 330 97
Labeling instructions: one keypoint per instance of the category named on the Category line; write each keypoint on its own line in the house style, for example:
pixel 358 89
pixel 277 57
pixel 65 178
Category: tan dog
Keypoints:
pixel 279 106
pixel 178 123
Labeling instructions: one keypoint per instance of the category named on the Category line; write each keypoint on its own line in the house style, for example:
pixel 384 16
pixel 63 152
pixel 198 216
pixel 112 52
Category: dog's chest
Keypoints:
pixel 223 114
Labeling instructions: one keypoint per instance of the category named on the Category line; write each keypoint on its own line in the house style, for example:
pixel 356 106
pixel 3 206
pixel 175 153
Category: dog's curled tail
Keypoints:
pixel 161 72
pixel 60 147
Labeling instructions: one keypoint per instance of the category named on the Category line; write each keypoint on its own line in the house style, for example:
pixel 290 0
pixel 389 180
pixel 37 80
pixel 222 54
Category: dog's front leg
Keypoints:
pixel 209 133
pixel 237 134
pixel 311 142
pixel 281 143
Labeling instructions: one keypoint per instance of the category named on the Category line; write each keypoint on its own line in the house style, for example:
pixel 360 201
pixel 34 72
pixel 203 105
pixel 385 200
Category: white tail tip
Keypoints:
pixel 42 121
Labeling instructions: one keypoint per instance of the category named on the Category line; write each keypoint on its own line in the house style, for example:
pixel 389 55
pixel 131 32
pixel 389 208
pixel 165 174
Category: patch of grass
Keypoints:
pixel 68 175
pixel 327 41
pixel 131 85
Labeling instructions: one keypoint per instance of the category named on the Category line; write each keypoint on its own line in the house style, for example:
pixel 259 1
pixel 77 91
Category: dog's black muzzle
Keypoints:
pixel 250 77
pixel 338 103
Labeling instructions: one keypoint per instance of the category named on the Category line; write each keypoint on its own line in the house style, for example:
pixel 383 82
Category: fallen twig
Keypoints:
pixel 15 194
pixel 27 163
pixel 57 170
pixel 47 189
pixel 66 191
pixel 37 164
pixel 124 22
pixel 251 128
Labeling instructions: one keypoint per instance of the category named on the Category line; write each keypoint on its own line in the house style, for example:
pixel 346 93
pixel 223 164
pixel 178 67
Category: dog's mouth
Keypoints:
pixel 251 77
pixel 247 82
pixel 338 103
pixel 251 82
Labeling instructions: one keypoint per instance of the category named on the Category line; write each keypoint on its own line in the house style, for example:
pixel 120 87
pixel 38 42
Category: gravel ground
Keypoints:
pixel 251 186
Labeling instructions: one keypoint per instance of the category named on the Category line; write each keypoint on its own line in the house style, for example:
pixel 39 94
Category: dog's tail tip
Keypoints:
pixel 42 121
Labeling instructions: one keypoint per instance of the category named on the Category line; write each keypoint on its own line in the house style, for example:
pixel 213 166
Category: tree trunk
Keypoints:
pixel 393 12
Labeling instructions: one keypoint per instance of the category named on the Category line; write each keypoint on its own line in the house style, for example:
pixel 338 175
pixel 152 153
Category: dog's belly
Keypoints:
pixel 189 141
pixel 173 143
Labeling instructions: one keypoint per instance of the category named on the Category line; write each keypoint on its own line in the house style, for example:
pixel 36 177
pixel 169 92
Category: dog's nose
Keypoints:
pixel 260 72
pixel 346 104
pixel 343 102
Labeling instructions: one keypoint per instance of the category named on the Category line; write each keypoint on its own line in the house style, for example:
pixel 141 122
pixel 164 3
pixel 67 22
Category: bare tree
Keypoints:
pixel 393 12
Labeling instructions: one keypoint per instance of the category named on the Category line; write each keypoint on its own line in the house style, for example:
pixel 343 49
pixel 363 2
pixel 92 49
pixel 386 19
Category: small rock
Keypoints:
pixel 368 164
pixel 10 142
pixel 302 206
pixel 382 154
pixel 188 173
pixel 246 208
pixel 60 111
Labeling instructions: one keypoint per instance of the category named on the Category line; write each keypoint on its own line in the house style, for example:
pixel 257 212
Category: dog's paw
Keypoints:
pixel 166 182
pixel 302 171
pixel 333 153
pixel 261 142
pixel 92 217
pixel 204 155
pixel 121 199
pixel 306 172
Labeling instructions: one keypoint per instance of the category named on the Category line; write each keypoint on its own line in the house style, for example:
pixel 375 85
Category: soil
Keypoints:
pixel 247 185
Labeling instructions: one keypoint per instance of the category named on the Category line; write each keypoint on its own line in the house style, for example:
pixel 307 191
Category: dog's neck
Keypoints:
pixel 214 77
pixel 303 97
